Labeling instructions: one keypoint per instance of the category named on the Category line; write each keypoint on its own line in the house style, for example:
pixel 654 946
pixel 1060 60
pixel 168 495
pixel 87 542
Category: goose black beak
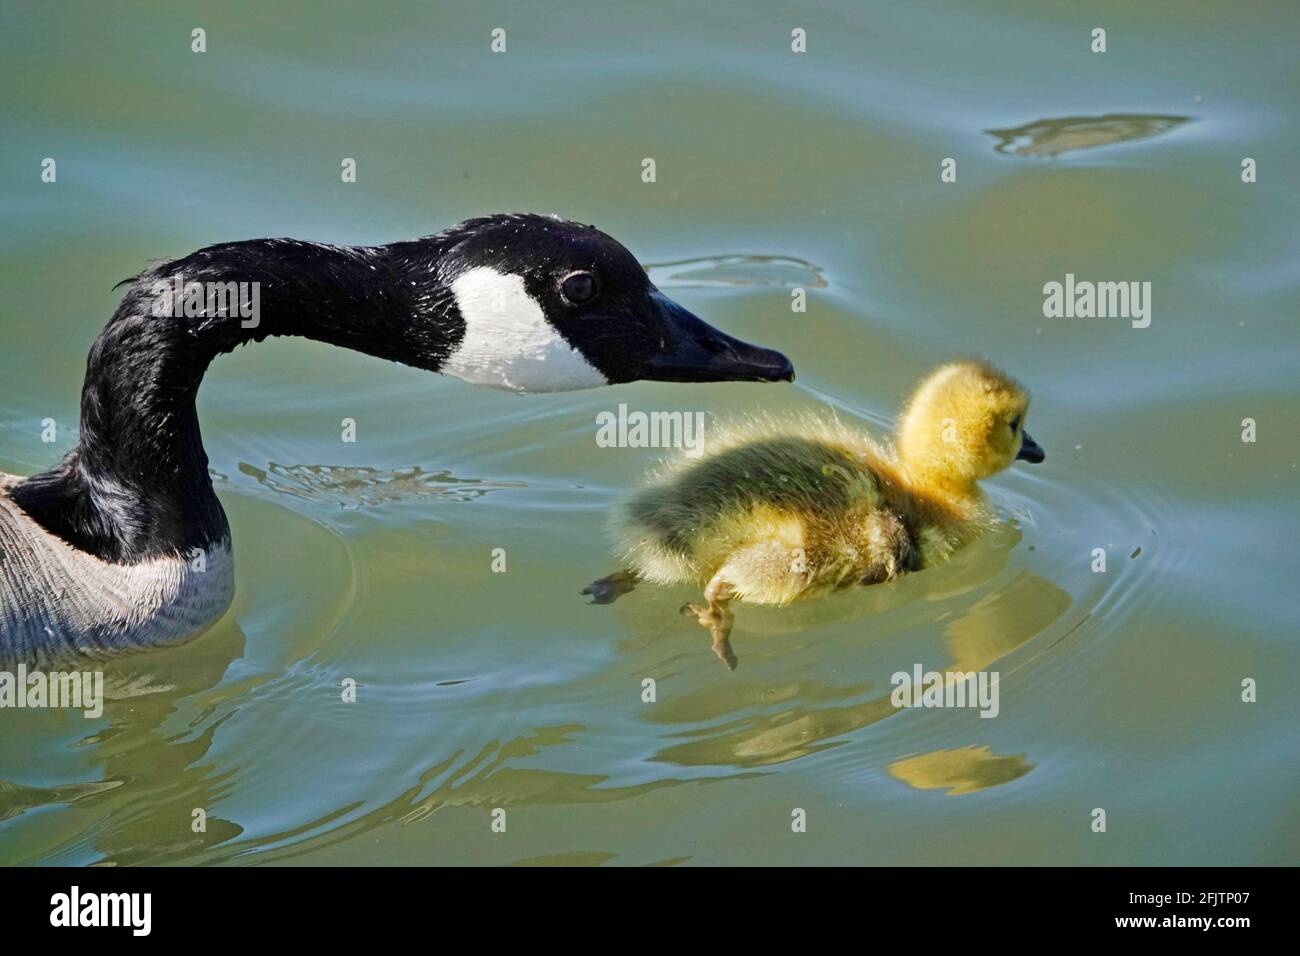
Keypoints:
pixel 1029 450
pixel 695 351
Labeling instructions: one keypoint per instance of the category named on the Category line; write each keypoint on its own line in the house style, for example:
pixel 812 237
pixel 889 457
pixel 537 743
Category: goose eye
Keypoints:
pixel 578 287
pixel 1015 423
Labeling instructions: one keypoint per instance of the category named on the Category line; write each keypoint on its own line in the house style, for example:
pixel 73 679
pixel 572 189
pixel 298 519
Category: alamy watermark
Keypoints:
pixel 626 429
pixel 133 911
pixel 175 298
pixel 1102 300
pixel 75 690
pixel 946 689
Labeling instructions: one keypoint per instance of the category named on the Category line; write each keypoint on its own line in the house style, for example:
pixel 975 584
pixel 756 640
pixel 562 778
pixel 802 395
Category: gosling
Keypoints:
pixel 777 511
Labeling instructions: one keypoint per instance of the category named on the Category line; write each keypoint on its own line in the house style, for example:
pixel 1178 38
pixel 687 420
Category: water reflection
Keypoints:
pixel 16 798
pixel 487 779
pixel 1052 137
pixel 576 858
pixel 993 627
pixel 153 774
pixel 959 771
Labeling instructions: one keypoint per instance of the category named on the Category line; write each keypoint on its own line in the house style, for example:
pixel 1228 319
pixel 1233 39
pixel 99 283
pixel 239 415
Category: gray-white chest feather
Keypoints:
pixel 57 602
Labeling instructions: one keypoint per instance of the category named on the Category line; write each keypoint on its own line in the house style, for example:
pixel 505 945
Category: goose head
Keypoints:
pixel 538 304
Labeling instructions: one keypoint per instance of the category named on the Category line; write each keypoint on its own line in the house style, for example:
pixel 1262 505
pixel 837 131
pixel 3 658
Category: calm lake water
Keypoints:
pixel 478 690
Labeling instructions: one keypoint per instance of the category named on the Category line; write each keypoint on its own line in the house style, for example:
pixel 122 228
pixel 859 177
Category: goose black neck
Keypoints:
pixel 137 485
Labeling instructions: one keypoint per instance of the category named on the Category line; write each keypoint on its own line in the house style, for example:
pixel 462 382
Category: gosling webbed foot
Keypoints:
pixel 610 588
pixel 722 648
pixel 718 619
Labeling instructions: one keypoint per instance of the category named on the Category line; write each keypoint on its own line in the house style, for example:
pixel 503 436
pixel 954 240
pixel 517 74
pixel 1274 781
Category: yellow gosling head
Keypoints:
pixel 964 422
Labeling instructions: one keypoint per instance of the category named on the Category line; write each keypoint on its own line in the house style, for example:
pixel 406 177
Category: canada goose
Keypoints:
pixel 777 511
pixel 124 544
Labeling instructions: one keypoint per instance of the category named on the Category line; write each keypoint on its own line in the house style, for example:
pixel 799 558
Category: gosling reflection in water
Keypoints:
pixel 804 718
pixel 776 512
pixel 960 771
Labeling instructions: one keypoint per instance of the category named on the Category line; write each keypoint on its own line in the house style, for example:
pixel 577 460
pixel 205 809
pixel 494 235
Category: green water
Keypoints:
pixel 479 690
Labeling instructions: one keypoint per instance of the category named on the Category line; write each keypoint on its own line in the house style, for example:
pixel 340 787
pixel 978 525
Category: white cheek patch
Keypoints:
pixel 508 342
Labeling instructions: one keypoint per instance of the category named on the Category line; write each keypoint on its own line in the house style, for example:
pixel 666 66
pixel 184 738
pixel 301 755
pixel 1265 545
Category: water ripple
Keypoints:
pixel 352 487
pixel 711 272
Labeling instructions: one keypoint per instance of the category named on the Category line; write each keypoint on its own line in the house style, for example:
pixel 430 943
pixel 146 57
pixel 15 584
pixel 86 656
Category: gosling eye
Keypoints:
pixel 578 288
pixel 1015 424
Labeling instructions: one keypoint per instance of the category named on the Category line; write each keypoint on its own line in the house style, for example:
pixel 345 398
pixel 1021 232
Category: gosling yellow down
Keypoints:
pixel 777 511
